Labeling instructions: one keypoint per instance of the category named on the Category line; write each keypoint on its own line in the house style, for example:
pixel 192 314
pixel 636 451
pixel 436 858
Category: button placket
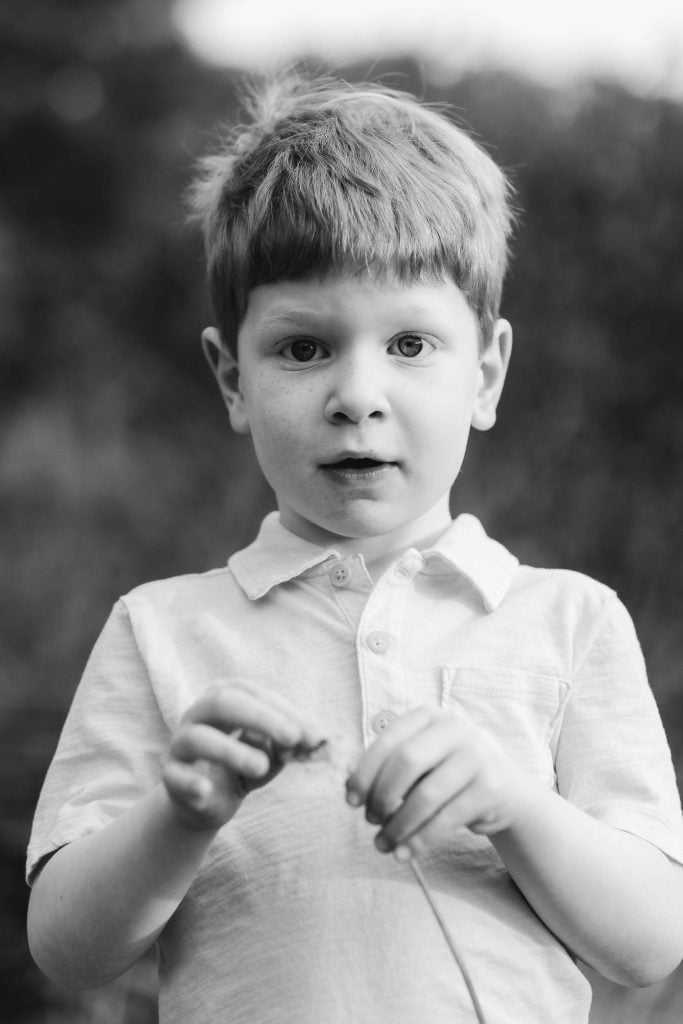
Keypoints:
pixel 378 646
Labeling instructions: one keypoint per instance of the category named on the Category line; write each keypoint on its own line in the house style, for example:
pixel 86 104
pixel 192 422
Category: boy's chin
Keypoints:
pixel 324 531
pixel 367 530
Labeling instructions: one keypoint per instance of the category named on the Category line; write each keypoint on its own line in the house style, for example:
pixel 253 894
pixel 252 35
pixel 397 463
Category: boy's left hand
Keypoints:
pixel 431 773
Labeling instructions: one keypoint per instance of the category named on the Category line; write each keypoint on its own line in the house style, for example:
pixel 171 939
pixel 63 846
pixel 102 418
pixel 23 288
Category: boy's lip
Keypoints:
pixel 357 462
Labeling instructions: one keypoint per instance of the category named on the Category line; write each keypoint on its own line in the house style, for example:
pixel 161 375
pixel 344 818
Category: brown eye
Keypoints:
pixel 410 346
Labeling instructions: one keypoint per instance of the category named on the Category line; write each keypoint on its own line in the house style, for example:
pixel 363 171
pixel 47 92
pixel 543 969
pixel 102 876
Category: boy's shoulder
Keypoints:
pixel 274 556
pixel 562 581
pixel 507 581
pixel 187 591
pixel 559 616
pixel 564 601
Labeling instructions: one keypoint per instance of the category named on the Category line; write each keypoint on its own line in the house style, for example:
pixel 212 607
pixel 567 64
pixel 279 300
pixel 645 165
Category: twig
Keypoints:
pixel 417 871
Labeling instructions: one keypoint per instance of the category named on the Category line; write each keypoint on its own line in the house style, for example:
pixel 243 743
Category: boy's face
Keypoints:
pixel 359 396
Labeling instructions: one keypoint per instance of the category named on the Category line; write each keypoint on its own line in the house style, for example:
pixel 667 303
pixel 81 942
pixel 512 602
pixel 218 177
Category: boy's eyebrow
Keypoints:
pixel 284 316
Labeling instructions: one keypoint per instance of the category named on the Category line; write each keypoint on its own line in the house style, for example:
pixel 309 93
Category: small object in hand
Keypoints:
pixel 303 753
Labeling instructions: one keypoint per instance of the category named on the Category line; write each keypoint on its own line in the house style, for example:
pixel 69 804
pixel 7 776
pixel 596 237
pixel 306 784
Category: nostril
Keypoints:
pixel 341 416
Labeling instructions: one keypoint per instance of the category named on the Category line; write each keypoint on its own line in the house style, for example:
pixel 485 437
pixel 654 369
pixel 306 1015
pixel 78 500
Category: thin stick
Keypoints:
pixel 417 871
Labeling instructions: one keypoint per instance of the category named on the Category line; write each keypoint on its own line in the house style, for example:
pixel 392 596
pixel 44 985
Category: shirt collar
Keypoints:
pixel 277 556
pixel 467 550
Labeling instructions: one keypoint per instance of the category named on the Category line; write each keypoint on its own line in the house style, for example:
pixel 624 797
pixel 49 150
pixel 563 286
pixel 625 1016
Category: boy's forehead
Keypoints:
pixel 319 298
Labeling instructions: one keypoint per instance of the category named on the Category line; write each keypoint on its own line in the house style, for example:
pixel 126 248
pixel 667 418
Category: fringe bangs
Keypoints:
pixel 354 182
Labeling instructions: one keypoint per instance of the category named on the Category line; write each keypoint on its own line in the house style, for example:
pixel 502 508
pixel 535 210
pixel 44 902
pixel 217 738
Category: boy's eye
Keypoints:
pixel 410 345
pixel 302 350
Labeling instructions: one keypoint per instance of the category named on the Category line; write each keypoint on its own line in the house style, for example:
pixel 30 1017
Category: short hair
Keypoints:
pixel 328 177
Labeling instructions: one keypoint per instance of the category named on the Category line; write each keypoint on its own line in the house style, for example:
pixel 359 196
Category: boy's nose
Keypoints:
pixel 356 395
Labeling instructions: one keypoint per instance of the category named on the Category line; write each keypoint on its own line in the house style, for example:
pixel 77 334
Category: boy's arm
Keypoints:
pixel 101 901
pixel 613 899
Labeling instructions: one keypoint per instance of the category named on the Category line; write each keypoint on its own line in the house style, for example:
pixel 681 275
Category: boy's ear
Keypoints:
pixel 493 367
pixel 225 370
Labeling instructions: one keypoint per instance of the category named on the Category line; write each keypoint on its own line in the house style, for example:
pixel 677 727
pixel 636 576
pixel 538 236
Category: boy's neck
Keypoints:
pixel 378 552
pixel 378 564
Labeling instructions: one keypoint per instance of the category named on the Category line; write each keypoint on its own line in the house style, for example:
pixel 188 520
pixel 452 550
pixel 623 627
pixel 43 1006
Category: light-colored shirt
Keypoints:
pixel 294 917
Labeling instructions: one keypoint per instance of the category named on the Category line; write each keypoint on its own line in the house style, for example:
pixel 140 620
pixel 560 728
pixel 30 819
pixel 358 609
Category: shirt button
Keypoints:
pixel 377 642
pixel 383 720
pixel 340 576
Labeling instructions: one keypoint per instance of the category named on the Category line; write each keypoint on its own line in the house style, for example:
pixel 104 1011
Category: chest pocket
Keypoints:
pixel 521 709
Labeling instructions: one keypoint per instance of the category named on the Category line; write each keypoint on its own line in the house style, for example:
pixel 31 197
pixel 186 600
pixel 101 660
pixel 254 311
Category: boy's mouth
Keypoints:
pixel 360 465
pixel 354 463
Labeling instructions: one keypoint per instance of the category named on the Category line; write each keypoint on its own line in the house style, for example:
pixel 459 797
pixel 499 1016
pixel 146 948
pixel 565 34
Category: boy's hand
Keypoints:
pixel 431 773
pixel 229 742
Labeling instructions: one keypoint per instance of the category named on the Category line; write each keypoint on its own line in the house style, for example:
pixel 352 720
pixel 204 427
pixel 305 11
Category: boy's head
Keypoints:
pixel 331 178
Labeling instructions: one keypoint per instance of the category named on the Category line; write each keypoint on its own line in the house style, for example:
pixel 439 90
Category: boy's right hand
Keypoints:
pixel 229 742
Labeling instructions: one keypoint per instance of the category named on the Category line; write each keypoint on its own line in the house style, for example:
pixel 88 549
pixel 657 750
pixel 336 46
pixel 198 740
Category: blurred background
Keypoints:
pixel 116 460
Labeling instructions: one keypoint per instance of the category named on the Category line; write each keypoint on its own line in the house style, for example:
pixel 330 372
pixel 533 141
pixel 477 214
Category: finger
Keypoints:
pixel 417 757
pixel 200 741
pixel 440 788
pixel 311 736
pixel 360 782
pixel 299 729
pixel 188 785
pixel 235 707
pixel 309 732
pixel 473 808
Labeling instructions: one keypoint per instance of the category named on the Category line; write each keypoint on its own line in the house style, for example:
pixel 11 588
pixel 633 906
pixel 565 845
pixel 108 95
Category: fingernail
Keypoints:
pixel 257 766
pixel 201 793
pixel 403 853
pixel 289 737
pixel 383 844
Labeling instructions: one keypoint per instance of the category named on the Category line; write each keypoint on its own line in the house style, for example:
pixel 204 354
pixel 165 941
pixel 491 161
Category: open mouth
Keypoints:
pixel 356 464
pixel 359 467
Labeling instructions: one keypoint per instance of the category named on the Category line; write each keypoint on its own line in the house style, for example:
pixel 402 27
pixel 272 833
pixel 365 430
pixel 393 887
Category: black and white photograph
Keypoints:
pixel 341 543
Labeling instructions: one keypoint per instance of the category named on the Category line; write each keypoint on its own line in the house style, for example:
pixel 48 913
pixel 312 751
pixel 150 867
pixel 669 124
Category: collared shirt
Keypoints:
pixel 294 916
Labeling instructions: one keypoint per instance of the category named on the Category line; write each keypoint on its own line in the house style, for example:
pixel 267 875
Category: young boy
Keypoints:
pixel 365 651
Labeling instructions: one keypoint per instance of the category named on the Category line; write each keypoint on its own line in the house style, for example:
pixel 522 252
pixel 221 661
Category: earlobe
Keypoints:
pixel 224 368
pixel 493 367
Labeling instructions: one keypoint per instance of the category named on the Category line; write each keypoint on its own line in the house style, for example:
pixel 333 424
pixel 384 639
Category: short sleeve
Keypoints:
pixel 613 758
pixel 110 750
